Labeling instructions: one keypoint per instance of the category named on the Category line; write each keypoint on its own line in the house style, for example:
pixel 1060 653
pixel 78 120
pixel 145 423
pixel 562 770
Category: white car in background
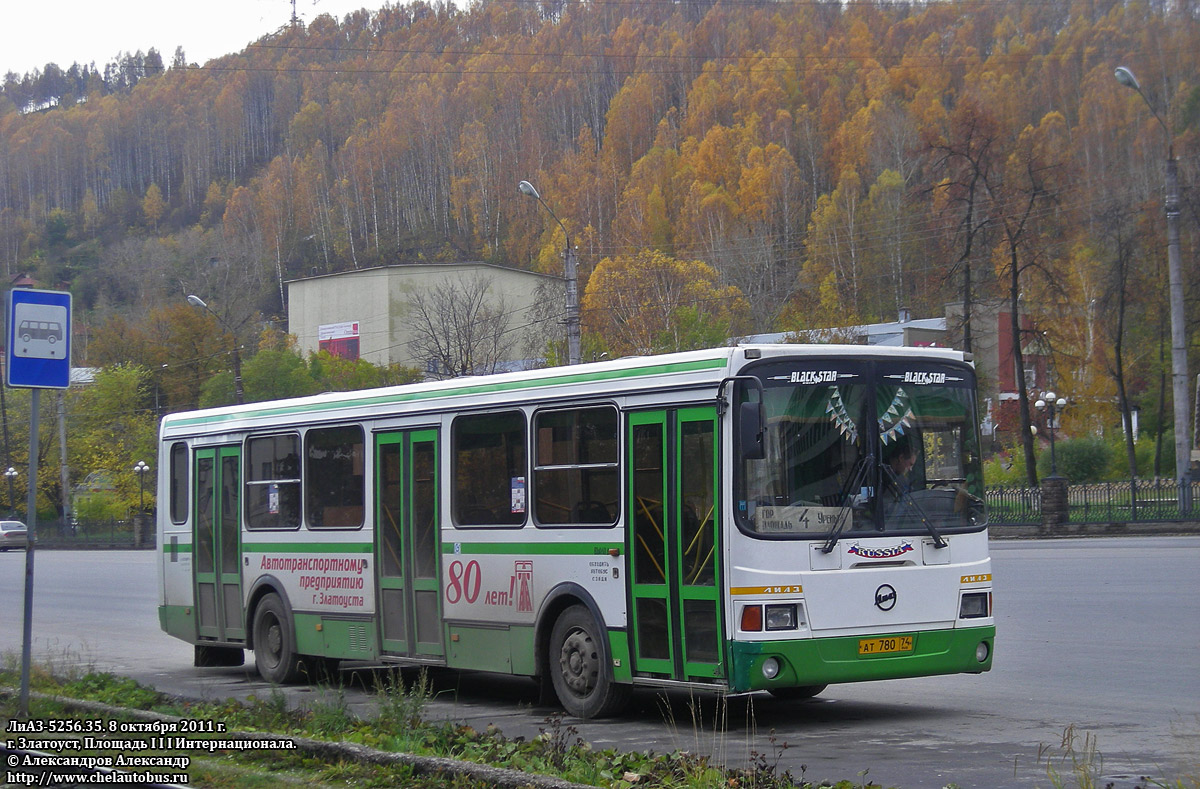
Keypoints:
pixel 13 534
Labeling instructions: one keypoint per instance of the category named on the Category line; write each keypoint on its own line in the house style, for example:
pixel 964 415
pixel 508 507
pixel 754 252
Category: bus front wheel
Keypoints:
pixel 274 645
pixel 582 680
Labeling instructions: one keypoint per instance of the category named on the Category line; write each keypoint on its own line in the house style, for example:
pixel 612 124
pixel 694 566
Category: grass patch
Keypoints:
pixel 1078 762
pixel 108 689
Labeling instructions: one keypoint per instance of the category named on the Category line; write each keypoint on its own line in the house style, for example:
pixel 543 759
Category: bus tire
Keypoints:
pixel 579 669
pixel 274 644
pixel 796 694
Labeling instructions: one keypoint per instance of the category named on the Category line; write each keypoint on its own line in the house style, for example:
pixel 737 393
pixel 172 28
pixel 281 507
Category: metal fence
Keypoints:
pixel 95 533
pixel 1130 501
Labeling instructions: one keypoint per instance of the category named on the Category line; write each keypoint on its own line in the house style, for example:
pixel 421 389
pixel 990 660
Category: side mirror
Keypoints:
pixel 750 431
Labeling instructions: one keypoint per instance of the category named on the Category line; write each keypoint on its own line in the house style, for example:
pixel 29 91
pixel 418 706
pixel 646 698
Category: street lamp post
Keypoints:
pixel 12 497
pixel 140 469
pixel 572 277
pixel 1052 404
pixel 1179 363
pixel 238 394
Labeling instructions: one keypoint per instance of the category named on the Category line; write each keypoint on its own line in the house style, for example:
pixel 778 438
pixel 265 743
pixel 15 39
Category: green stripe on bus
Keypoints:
pixel 537 548
pixel 506 386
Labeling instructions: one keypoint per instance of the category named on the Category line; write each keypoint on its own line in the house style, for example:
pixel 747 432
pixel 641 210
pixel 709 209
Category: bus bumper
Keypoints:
pixel 824 661
pixel 177 620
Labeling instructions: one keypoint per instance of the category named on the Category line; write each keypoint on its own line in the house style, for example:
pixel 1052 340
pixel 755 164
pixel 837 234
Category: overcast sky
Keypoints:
pixel 36 32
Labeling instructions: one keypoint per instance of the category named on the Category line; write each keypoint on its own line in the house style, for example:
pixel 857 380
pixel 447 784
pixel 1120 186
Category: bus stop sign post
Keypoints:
pixel 38 356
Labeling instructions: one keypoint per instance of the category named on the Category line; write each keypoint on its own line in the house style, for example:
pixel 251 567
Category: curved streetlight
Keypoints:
pixel 1179 363
pixel 1053 405
pixel 572 277
pixel 12 477
pixel 238 394
pixel 140 469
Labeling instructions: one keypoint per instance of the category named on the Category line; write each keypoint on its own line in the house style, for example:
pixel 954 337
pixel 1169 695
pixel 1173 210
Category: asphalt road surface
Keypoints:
pixel 1099 637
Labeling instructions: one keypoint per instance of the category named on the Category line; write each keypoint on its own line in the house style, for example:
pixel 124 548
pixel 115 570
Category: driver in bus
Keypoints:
pixel 899 456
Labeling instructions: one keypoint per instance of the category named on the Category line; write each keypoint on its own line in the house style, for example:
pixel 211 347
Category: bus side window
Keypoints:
pixel 489 469
pixel 334 491
pixel 179 483
pixel 273 482
pixel 575 475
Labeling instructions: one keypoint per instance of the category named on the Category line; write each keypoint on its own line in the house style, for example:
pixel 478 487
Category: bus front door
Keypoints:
pixel 217 544
pixel 408 544
pixel 673 544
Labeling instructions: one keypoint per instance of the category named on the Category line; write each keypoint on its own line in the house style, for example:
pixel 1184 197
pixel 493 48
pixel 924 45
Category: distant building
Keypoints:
pixel 367 314
pixel 991 348
pixel 95 495
pixel 996 362
pixel 83 376
pixel 919 333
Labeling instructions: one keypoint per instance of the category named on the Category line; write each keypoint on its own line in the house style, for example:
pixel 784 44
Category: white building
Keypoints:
pixel 369 313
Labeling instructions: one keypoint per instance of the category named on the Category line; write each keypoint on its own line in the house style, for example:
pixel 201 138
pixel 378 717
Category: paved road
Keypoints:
pixel 1102 635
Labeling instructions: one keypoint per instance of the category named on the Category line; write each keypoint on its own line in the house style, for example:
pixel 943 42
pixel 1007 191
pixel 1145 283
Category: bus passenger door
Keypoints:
pixel 673 544
pixel 217 544
pixel 408 543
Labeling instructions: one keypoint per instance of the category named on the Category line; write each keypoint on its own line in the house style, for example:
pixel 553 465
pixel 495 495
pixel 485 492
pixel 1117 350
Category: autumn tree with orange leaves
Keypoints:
pixel 653 303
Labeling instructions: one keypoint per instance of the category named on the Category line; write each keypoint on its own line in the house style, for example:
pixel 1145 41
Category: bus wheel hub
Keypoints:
pixel 274 640
pixel 578 662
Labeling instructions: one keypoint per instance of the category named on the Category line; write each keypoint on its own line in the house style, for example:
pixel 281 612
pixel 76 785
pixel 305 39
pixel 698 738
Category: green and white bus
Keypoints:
pixel 726 519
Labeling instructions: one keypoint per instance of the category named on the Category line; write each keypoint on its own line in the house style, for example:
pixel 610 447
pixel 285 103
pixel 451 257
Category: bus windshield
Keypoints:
pixel 860 447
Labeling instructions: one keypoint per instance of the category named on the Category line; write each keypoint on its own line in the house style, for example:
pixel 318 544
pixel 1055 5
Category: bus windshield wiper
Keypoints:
pixel 905 496
pixel 857 475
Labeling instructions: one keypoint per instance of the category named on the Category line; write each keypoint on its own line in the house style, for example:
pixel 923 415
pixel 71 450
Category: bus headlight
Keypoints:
pixel 770 668
pixel 974 605
pixel 781 617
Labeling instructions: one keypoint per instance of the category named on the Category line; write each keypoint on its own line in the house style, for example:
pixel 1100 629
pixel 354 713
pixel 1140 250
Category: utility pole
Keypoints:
pixel 966 327
pixel 574 355
pixel 1179 360
pixel 1179 364
pixel 64 477
pixel 7 446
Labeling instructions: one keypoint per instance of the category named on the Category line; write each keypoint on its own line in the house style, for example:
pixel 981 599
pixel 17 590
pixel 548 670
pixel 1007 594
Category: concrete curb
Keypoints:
pixel 421 765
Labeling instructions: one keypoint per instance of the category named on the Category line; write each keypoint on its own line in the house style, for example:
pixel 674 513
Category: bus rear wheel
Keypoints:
pixel 795 694
pixel 581 677
pixel 274 645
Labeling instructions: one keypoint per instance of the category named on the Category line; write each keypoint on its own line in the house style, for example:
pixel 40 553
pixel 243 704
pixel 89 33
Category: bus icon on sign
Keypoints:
pixel 50 331
pixel 39 332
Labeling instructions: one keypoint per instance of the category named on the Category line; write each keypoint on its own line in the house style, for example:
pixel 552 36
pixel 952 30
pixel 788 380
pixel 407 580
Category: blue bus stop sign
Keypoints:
pixel 39 339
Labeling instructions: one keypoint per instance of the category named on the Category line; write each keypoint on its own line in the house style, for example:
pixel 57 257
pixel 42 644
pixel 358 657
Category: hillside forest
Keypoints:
pixel 765 166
